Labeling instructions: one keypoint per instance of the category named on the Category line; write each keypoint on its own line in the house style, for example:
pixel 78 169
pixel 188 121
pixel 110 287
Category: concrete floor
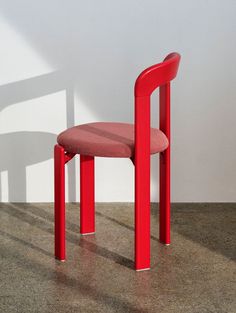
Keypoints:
pixel 195 274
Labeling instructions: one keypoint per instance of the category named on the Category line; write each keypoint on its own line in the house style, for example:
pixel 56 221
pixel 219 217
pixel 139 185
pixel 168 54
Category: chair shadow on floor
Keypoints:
pixel 211 225
pixel 61 279
pixel 36 216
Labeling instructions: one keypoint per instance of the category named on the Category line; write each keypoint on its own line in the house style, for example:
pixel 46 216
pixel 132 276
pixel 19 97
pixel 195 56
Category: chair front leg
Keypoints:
pixel 59 204
pixel 164 214
pixel 87 207
pixel 142 214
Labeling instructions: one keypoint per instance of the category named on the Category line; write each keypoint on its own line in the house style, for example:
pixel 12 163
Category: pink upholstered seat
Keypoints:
pixel 107 140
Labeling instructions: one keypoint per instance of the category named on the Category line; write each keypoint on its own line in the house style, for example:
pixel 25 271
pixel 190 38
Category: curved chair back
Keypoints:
pixel 157 75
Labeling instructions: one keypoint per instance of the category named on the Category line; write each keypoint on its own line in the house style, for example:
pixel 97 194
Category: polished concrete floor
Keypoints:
pixel 196 273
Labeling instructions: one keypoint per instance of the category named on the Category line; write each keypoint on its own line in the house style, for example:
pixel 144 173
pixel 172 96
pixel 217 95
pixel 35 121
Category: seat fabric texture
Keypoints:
pixel 106 139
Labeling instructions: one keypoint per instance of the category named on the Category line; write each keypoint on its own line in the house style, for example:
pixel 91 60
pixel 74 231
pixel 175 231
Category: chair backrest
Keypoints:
pixel 157 75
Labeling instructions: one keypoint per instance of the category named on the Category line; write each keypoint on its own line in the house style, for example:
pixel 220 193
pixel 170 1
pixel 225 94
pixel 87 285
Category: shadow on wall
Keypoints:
pixel 23 148
pixel 105 52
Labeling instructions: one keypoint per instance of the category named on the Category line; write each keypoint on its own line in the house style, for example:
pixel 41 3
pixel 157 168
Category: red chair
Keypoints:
pixel 122 140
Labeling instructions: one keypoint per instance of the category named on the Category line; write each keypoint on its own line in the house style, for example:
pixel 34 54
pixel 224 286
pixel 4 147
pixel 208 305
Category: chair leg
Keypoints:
pixel 59 194
pixel 87 207
pixel 164 215
pixel 142 215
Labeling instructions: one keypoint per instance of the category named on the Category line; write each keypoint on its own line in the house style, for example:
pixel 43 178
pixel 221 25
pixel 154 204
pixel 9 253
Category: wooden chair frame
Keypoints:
pixel 158 75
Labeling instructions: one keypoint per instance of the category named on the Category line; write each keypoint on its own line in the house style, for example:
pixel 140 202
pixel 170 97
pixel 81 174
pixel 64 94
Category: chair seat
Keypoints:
pixel 107 139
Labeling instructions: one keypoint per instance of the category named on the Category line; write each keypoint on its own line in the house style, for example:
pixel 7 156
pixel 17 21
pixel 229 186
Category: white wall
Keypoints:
pixel 69 62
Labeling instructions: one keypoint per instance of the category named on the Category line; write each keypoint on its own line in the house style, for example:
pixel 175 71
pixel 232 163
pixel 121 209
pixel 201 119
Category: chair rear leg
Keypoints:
pixel 87 207
pixel 164 215
pixel 59 205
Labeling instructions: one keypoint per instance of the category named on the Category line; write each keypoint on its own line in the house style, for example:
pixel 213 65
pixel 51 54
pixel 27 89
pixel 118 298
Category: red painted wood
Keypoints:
pixel 157 75
pixel 87 207
pixel 164 215
pixel 142 183
pixel 59 209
